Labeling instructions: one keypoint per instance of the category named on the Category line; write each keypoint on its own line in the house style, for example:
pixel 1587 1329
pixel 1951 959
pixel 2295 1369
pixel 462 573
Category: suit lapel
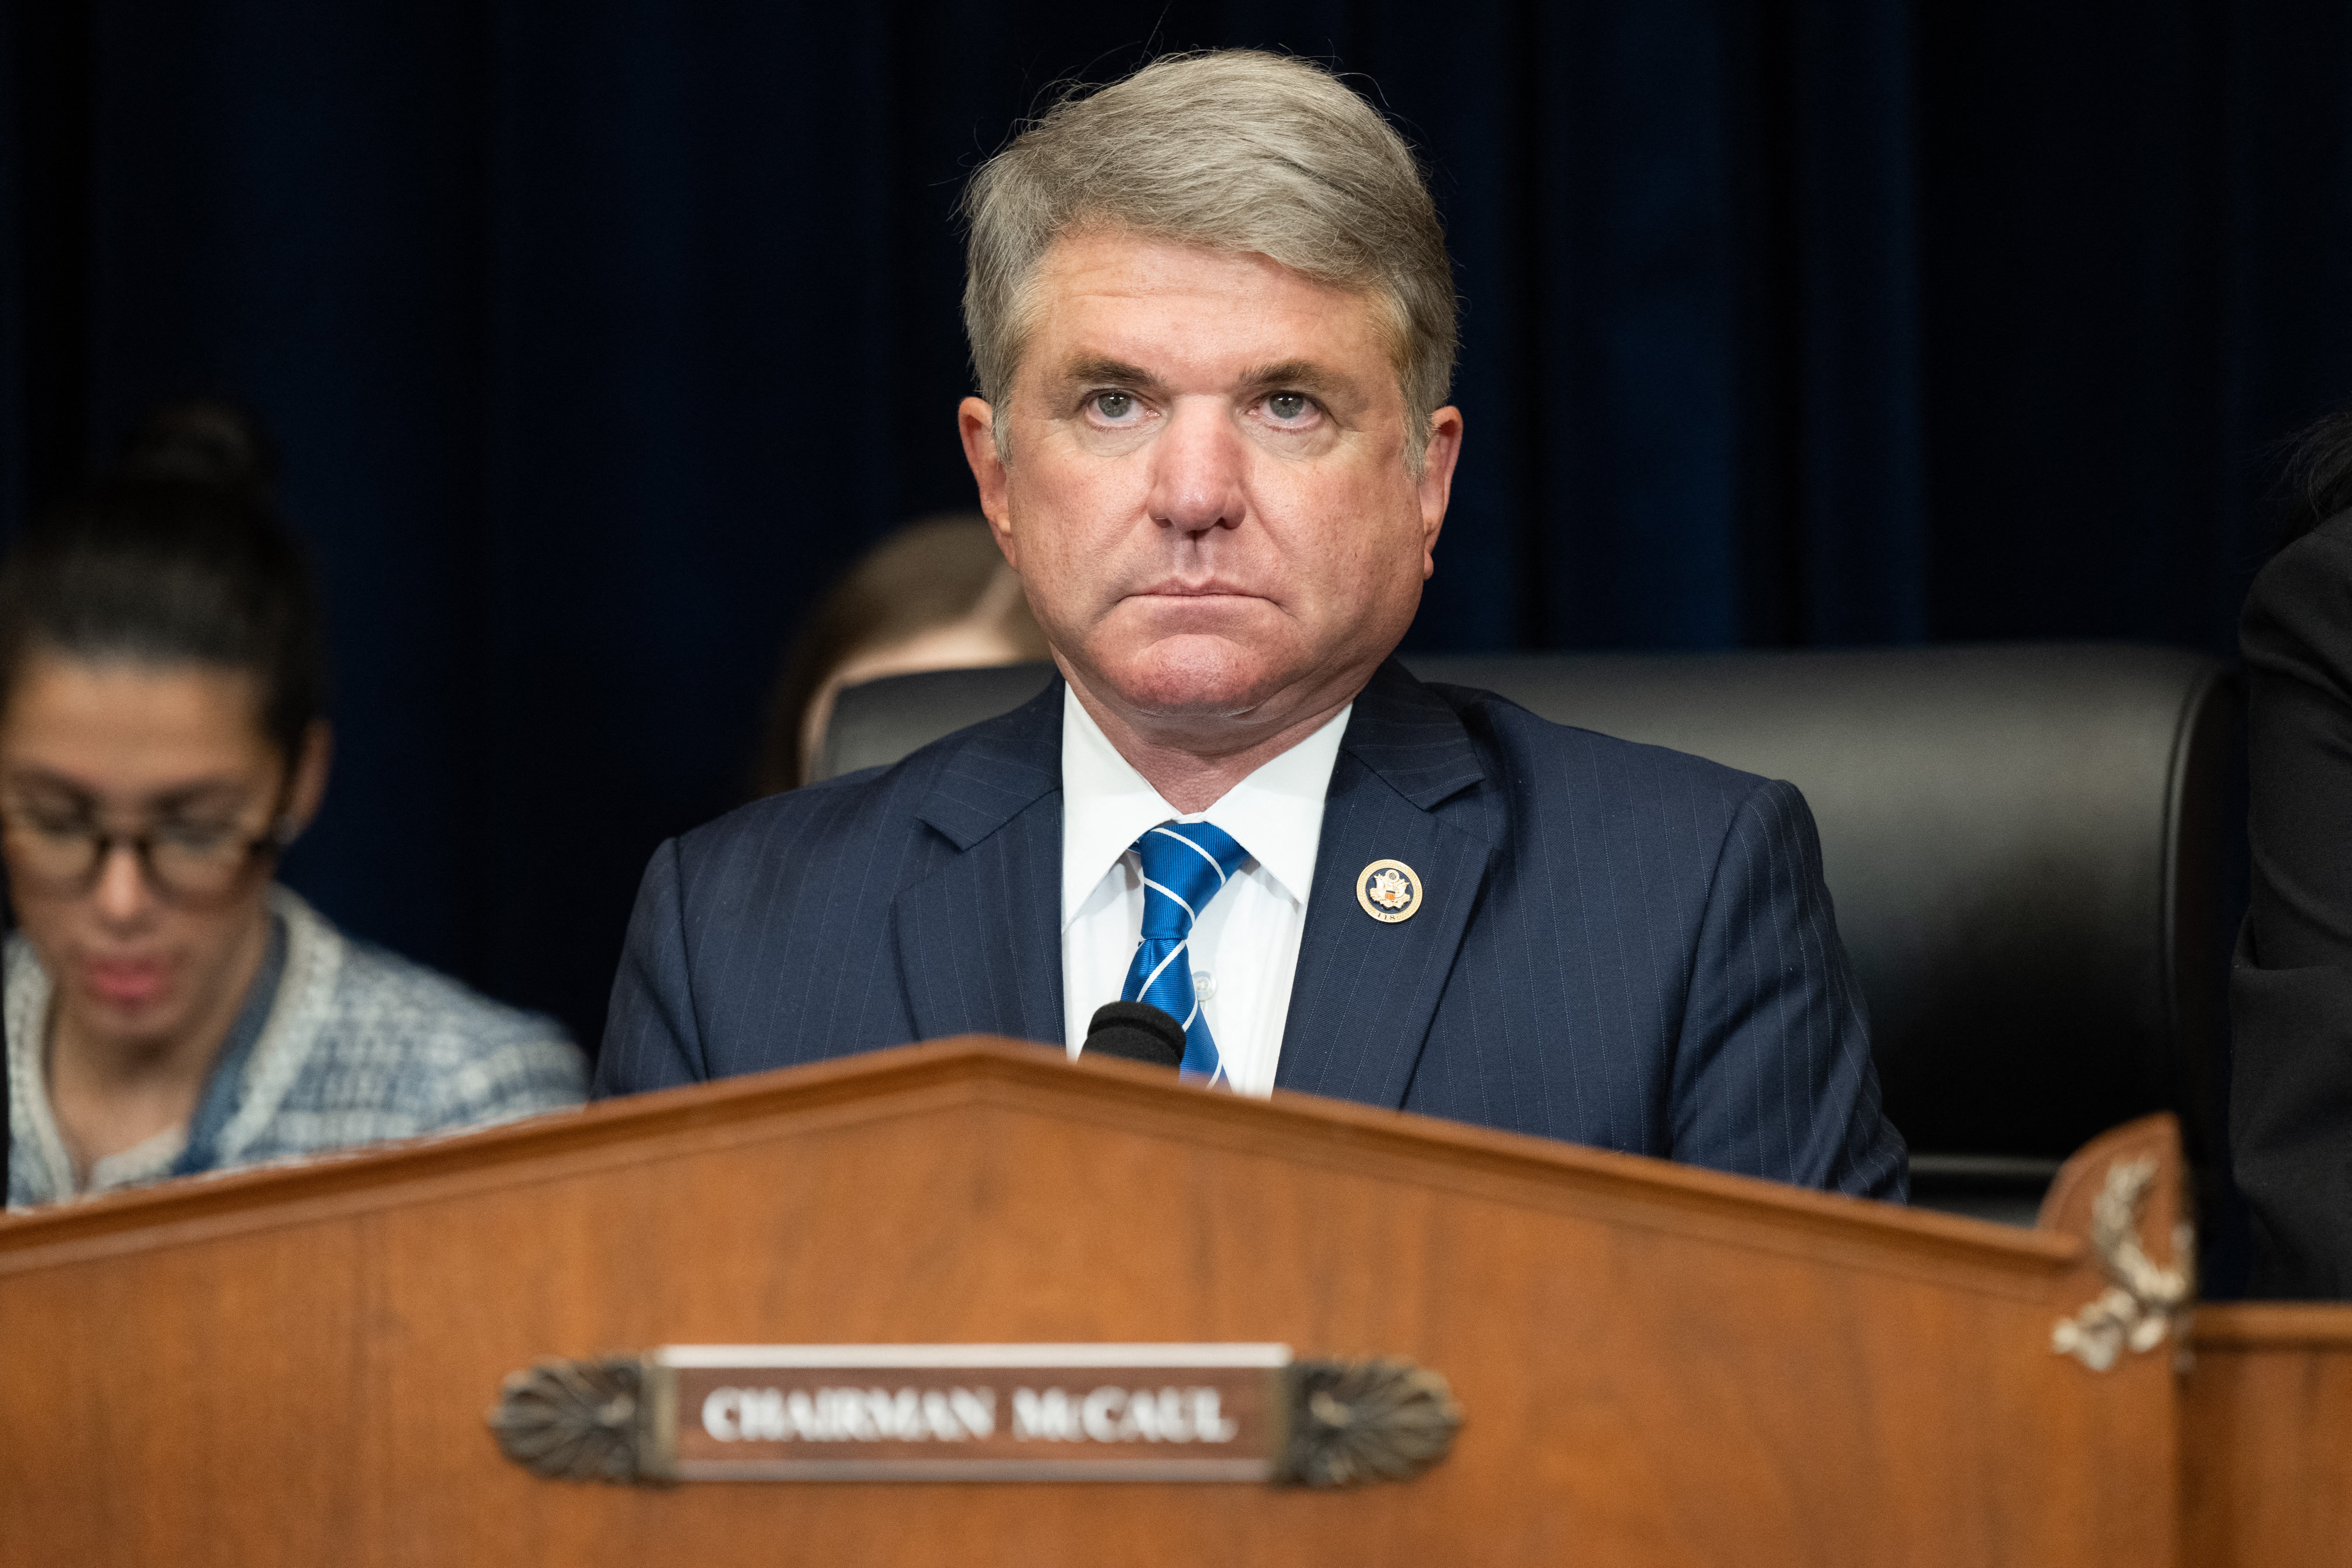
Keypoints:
pixel 978 941
pixel 1365 992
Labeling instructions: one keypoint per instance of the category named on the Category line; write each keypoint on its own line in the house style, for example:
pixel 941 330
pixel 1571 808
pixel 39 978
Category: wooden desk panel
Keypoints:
pixel 2266 1434
pixel 1658 1365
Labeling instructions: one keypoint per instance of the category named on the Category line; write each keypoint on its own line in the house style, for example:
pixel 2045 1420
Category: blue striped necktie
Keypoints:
pixel 1184 865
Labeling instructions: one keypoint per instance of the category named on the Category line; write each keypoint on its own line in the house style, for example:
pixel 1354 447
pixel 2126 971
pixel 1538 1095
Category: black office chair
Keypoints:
pixel 2025 845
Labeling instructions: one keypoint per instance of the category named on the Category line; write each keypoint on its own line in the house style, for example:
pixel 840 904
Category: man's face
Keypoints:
pixel 1208 499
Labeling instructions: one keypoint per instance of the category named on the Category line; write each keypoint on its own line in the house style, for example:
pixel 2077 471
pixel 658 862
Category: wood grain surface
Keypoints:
pixel 1658 1365
pixel 2266 1434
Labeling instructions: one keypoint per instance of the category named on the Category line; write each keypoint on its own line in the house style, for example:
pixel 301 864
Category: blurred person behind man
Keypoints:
pixel 169 1008
pixel 935 595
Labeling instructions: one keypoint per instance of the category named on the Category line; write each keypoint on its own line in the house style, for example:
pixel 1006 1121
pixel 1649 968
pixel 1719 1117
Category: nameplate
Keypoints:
pixel 968 1412
pixel 975 1412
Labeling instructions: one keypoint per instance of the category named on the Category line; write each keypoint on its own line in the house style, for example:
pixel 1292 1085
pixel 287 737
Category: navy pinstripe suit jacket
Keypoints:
pixel 1621 945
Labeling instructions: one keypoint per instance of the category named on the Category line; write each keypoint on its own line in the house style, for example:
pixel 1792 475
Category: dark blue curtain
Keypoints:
pixel 600 336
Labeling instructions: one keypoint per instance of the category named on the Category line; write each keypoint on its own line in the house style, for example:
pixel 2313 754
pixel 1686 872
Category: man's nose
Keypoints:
pixel 1197 463
pixel 122 892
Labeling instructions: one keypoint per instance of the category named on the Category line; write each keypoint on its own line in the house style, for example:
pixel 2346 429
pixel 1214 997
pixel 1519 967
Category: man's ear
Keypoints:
pixel 976 423
pixel 1436 482
pixel 309 782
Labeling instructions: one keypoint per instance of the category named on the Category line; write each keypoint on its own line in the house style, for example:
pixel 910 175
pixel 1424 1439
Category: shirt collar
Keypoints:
pixel 1276 814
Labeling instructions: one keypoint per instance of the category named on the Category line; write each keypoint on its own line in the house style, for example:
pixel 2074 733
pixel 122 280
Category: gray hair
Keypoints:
pixel 1236 151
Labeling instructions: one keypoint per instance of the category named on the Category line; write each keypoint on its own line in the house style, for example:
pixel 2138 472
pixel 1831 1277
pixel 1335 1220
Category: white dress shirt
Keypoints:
pixel 1245 950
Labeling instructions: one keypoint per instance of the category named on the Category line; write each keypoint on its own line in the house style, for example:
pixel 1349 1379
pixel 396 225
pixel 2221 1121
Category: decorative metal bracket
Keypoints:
pixel 1357 1421
pixel 580 1421
pixel 2144 1303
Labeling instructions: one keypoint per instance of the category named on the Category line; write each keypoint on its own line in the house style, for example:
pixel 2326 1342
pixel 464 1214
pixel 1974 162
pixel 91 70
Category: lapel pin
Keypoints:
pixel 1389 890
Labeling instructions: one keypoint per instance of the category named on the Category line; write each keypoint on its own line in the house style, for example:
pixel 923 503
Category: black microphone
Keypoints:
pixel 1136 1030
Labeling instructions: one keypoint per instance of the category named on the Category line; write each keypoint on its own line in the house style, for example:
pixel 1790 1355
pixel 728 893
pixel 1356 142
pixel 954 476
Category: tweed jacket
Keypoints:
pixel 359 1045
pixel 1618 944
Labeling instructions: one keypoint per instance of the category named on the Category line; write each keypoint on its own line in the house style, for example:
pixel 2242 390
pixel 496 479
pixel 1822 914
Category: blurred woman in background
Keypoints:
pixel 168 1007
pixel 937 595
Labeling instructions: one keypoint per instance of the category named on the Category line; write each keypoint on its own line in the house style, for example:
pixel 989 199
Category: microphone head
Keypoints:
pixel 1136 1030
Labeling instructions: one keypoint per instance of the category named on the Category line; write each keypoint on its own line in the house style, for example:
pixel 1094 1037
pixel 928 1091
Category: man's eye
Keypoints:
pixel 1114 406
pixel 1288 406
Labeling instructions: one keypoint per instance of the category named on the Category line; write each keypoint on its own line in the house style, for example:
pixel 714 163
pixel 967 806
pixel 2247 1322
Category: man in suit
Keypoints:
pixel 1214 322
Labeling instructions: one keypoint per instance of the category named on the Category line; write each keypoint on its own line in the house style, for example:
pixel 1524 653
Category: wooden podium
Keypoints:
pixel 1653 1364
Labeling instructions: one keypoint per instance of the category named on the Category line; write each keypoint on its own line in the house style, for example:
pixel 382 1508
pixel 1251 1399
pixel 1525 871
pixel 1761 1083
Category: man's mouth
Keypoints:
pixel 1214 588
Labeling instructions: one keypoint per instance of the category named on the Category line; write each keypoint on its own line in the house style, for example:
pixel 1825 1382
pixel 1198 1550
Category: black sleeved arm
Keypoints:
pixel 2291 985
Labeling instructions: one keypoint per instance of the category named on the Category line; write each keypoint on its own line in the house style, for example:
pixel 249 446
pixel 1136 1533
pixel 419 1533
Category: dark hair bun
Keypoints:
pixel 177 557
pixel 201 441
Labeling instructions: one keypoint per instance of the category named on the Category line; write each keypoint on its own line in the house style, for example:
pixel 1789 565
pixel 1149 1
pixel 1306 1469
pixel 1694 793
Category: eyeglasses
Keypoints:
pixel 189 862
